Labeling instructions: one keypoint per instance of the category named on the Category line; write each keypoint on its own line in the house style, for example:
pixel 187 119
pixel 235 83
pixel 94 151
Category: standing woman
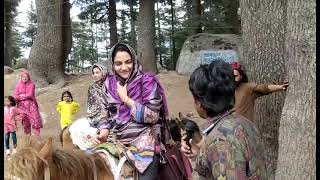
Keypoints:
pixel 141 106
pixel 247 92
pixel 26 102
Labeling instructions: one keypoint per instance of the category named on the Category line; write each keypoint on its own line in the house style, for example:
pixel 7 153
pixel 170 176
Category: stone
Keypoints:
pixel 204 48
pixel 7 70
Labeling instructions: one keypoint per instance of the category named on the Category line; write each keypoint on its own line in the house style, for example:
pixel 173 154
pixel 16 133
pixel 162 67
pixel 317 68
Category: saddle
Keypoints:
pixel 114 153
pixel 116 158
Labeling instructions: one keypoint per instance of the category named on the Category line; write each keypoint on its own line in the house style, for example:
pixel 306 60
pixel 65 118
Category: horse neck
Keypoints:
pixel 103 170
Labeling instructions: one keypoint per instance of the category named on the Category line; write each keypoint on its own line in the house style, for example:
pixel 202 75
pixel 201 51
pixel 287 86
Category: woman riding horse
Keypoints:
pixel 140 106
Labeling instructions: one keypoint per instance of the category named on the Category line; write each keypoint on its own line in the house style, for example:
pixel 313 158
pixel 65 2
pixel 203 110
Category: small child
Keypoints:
pixel 10 127
pixel 67 109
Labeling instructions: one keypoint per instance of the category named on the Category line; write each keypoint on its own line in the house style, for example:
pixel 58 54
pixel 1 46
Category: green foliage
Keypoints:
pixel 17 44
pixel 29 34
pixel 83 47
pixel 124 34
pixel 94 11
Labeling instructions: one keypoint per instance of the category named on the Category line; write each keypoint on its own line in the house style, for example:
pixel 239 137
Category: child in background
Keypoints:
pixel 10 126
pixel 67 109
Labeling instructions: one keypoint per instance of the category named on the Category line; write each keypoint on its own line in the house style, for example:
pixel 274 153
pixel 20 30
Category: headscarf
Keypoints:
pixel 236 66
pixel 143 88
pixel 26 85
pixel 102 68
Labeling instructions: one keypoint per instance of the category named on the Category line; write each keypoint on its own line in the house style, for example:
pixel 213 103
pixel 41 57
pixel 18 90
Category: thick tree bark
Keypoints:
pixel 159 35
pixel 146 33
pixel 7 33
pixel 263 36
pixel 113 22
pixel 52 44
pixel 173 57
pixel 132 23
pixel 196 13
pixel 297 132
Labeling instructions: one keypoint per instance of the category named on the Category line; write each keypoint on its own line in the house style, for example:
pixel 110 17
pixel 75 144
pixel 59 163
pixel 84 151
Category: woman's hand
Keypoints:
pixel 192 152
pixel 101 137
pixel 284 86
pixel 122 92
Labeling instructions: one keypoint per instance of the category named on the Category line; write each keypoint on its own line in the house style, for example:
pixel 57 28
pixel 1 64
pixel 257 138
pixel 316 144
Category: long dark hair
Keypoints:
pixel 244 77
pixel 68 93
pixel 213 86
pixel 11 99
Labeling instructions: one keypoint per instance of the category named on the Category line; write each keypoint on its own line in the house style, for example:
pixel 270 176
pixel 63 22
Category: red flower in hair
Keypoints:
pixel 236 66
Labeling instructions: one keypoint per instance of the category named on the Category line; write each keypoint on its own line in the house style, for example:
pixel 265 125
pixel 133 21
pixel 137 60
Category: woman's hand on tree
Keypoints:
pixel 285 86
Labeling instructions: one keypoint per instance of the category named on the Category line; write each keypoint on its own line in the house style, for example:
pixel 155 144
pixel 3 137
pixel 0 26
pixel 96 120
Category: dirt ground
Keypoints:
pixel 175 86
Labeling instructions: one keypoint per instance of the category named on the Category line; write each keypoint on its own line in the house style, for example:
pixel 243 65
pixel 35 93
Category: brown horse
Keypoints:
pixel 41 161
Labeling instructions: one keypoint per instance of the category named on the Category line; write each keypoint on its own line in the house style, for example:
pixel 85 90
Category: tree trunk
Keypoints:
pixel 297 132
pixel 196 13
pixel 132 23
pixel 173 57
pixel 52 44
pixel 188 8
pixel 231 16
pixel 159 35
pixel 113 22
pixel 7 33
pixel 146 33
pixel 263 36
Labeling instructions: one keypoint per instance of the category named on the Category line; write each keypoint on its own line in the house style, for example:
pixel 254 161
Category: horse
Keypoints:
pixel 41 161
pixel 112 152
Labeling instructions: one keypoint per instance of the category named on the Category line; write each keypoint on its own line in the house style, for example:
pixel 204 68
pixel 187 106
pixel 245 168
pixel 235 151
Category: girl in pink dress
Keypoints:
pixel 26 102
pixel 10 128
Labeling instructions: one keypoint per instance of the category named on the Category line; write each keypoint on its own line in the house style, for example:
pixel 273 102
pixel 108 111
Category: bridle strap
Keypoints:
pixel 46 173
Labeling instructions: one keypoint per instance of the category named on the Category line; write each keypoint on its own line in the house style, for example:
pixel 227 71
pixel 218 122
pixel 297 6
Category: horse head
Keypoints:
pixel 184 125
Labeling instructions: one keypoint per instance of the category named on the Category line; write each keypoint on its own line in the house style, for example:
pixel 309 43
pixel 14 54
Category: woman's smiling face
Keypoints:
pixel 123 64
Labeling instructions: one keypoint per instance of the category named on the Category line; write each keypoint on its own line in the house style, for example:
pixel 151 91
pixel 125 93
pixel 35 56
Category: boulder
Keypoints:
pixel 7 70
pixel 204 48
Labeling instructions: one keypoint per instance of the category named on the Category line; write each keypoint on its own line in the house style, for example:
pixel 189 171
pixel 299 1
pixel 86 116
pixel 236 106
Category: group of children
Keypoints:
pixel 12 115
pixel 22 108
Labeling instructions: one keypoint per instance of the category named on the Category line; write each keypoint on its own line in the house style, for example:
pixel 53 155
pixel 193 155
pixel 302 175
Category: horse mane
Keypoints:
pixel 65 164
pixel 26 163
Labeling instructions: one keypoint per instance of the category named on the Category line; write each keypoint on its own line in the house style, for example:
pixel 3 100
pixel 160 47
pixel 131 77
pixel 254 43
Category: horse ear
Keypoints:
pixel 180 115
pixel 46 150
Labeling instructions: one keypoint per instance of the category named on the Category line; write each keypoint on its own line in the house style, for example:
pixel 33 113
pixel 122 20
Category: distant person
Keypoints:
pixel 11 114
pixel 26 102
pixel 247 92
pixel 84 128
pixel 96 110
pixel 231 146
pixel 67 109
